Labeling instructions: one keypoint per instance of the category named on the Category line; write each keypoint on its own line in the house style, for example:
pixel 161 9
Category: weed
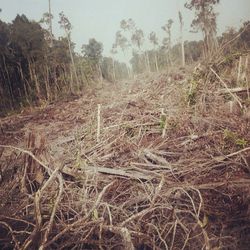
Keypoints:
pixel 231 137
pixel 241 142
pixel 192 93
pixel 162 121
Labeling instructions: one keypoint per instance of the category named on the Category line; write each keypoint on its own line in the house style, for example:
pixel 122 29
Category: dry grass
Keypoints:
pixel 162 175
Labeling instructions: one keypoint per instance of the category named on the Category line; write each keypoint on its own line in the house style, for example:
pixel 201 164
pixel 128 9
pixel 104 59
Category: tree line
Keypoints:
pixel 165 54
pixel 35 67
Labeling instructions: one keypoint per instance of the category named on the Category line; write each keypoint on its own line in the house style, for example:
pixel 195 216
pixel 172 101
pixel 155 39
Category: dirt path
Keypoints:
pixel 62 122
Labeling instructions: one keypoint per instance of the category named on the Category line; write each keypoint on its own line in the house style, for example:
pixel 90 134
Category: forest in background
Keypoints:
pixel 37 68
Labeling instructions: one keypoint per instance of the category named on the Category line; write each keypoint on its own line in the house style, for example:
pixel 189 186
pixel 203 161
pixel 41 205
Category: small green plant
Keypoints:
pixel 162 121
pixel 95 214
pixel 78 160
pixel 192 92
pixel 241 142
pixel 231 137
pixel 230 59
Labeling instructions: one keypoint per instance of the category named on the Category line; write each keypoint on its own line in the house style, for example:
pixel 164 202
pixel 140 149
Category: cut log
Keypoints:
pixel 132 174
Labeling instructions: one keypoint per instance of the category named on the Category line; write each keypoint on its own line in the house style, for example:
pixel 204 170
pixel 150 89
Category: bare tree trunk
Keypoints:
pixel 170 47
pixel 182 40
pixel 47 87
pixel 210 42
pixel 206 44
pixel 100 73
pixel 98 122
pixel 128 73
pixel 239 70
pixel 156 61
pixel 148 63
pixel 145 61
pixel 83 76
pixel 50 25
pixel 19 68
pixel 246 71
pixel 9 85
pixel 216 43
pixel 169 62
pixel 182 47
pixel 73 64
pixel 71 80
pixel 113 69
pixel 35 80
pixel 183 54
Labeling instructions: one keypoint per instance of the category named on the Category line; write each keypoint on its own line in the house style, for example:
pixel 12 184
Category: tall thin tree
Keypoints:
pixel 168 41
pixel 182 40
pixel 205 21
pixel 122 42
pixel 113 51
pixel 50 23
pixel 154 40
pixel 66 25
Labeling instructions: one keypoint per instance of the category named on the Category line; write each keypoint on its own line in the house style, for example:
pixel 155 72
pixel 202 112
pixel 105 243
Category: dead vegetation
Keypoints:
pixel 165 165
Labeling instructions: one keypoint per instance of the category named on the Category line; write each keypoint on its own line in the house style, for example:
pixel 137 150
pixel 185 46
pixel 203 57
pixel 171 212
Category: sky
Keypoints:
pixel 100 19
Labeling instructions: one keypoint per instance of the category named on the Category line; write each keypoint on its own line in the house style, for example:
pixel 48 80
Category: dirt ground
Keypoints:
pixel 151 171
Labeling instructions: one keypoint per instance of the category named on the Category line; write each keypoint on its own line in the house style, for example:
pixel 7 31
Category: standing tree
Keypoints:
pixel 50 20
pixel 168 40
pixel 122 42
pixel 47 17
pixel 205 21
pixel 113 51
pixel 182 40
pixel 93 52
pixel 167 27
pixel 27 40
pixel 7 95
pixel 66 25
pixel 137 38
pixel 154 40
pixel 128 25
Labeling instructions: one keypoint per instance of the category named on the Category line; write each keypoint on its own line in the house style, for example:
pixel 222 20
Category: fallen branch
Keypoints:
pixel 234 90
pixel 234 96
pixel 233 39
pixel 109 171
pixel 222 158
pixel 50 224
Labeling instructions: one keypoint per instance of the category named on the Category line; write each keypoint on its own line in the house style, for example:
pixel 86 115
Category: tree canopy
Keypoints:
pixel 93 50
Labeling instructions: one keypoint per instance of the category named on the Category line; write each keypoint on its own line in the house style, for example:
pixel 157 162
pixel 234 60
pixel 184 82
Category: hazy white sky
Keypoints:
pixel 100 19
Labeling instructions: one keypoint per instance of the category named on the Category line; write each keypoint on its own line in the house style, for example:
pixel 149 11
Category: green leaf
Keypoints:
pixel 95 214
